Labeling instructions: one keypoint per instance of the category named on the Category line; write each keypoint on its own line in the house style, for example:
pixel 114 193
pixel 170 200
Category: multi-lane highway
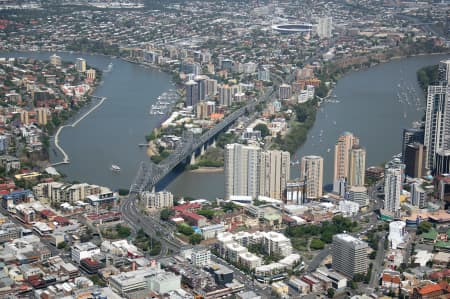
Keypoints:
pixel 378 263
pixel 152 226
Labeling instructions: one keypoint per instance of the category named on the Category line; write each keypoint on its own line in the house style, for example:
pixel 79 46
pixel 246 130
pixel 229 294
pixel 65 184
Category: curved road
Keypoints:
pixel 151 226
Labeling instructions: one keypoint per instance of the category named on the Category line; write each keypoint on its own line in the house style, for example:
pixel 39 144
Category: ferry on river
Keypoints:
pixel 115 168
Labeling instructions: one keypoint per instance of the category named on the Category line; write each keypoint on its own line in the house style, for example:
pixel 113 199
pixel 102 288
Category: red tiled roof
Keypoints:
pixel 430 289
pixel 391 278
pixel 47 213
pixel 192 215
pixel 90 262
pixel 187 206
pixel 61 220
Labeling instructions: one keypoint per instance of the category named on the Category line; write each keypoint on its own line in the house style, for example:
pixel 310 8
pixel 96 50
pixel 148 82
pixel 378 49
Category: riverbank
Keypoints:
pixel 299 128
pixel 368 63
pixel 207 170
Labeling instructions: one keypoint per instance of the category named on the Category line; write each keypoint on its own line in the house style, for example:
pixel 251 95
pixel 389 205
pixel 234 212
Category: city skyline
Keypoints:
pixel 237 117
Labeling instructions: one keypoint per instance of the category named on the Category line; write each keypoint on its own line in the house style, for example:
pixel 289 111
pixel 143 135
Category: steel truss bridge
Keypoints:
pixel 150 174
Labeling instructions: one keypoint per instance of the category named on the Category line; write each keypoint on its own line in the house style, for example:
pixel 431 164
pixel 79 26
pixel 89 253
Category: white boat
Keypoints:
pixel 115 168
pixel 109 68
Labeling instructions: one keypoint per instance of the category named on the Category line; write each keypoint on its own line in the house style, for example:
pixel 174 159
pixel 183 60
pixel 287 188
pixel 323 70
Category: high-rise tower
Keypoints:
pixel 437 120
pixel 357 166
pixel 342 158
pixel 312 170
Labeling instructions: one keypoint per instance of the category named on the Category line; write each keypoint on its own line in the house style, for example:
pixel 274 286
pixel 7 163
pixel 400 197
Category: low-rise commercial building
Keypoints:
pixel 82 251
pixel 201 257
pixel 148 279
pixel 211 231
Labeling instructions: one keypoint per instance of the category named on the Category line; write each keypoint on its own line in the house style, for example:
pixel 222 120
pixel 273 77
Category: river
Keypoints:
pixel 111 133
pixel 368 106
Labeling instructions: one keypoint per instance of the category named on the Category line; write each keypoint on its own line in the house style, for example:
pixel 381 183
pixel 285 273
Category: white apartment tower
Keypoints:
pixel 312 171
pixel 392 190
pixel 274 173
pixel 211 87
pixel 437 118
pixel 80 65
pixel 418 196
pixel 241 170
pixel 349 255
pixel 225 95
pixel 342 149
pixel 357 170
pixel 324 27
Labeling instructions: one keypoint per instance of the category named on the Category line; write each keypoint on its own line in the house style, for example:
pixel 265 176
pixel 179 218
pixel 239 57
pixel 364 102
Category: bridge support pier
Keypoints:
pixel 213 144
pixel 203 149
pixel 192 158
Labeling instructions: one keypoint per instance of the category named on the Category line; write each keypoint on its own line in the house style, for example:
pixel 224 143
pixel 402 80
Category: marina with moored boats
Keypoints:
pixel 164 102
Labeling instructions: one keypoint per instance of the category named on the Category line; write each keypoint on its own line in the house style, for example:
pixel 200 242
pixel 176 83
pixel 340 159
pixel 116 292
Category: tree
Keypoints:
pixel 327 237
pixel 358 277
pixel 62 245
pixel 224 139
pixel 166 213
pixel 263 129
pixel 322 90
pixel 229 206
pixel 317 244
pixel 207 213
pixel 424 227
pixel 141 233
pixel 195 239
pixel 123 231
pixel 97 281
pixel 150 136
pixel 352 284
pixel 185 229
pixel 330 293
